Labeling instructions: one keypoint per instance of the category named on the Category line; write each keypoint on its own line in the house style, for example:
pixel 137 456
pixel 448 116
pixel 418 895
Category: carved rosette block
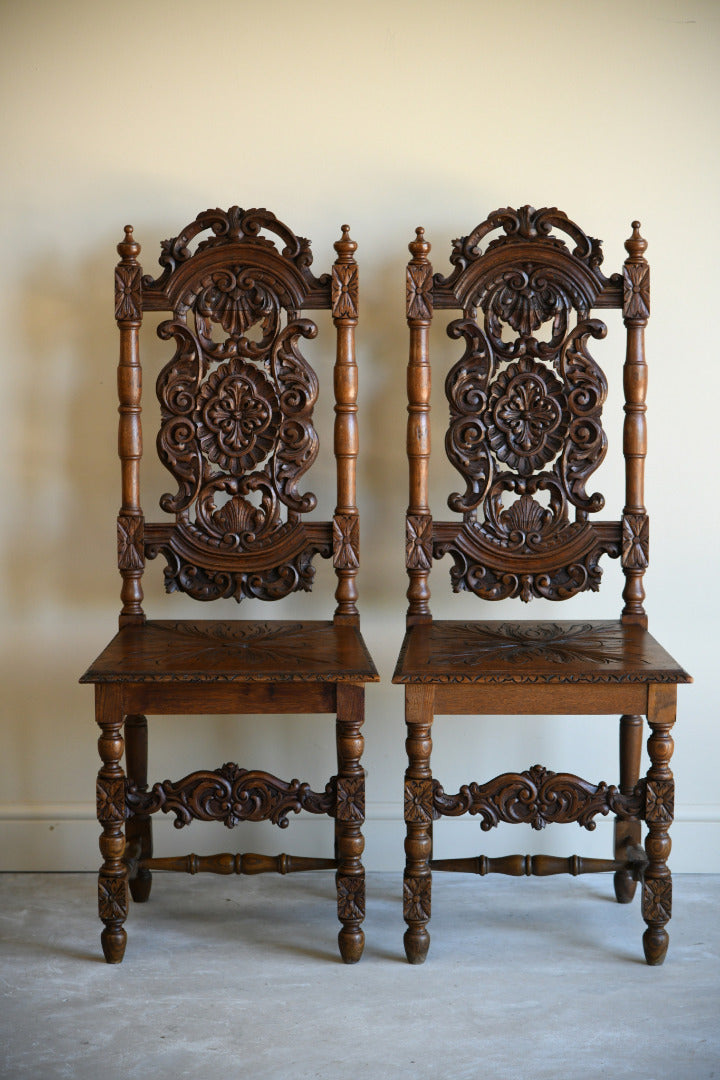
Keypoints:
pixel 657 900
pixel 418 542
pixel 635 541
pixel 350 898
pixel 131 542
pixel 345 291
pixel 110 793
pixel 418 801
pixel 346 541
pixel 113 899
pixel 128 293
pixel 660 802
pixel 417 899
pixel 636 290
pixel 350 804
pixel 418 291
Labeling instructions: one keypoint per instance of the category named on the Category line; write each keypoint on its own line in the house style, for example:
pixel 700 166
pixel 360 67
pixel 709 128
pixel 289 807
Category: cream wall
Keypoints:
pixel 385 115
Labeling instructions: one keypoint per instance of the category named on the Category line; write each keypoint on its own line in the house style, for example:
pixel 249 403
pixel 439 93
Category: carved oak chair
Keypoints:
pixel 525 434
pixel 237 435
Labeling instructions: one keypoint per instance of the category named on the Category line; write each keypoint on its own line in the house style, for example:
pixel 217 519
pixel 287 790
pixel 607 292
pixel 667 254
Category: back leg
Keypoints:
pixel 628 832
pixel 138 829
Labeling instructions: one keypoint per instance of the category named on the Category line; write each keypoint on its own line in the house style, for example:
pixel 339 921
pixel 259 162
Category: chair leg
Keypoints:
pixel 112 879
pixel 417 884
pixel 349 818
pixel 138 827
pixel 628 832
pixel 659 809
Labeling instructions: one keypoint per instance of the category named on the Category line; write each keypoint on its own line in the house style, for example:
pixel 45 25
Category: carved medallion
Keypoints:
pixel 527 416
pixel 237 417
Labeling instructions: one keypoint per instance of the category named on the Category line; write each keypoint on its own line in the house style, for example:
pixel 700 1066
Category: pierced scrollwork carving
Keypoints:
pixel 525 429
pixel 230 794
pixel 635 541
pixel 537 797
pixel 130 542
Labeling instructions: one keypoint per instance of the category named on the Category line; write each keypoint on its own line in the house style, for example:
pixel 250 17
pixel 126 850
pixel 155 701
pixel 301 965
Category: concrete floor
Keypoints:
pixel 540 978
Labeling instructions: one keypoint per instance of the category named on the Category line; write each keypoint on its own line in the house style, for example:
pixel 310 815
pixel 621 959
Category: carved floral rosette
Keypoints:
pixel 526 399
pixel 236 404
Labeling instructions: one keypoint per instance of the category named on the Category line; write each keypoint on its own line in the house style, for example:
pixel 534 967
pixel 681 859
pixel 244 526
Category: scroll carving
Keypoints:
pixel 418 543
pixel 526 402
pixel 230 794
pixel 130 542
pixel 346 541
pixel 635 541
pixel 537 797
pixel 236 404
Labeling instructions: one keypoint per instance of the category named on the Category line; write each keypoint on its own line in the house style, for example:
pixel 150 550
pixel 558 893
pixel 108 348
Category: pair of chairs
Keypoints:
pixel 525 434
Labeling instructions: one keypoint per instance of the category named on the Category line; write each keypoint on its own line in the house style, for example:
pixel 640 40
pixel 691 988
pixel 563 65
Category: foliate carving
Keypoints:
pixel 128 293
pixel 130 542
pixel 660 801
pixel 537 797
pixel 636 291
pixel 418 801
pixel 530 643
pixel 237 417
pixel 112 898
pixel 418 291
pixel 417 899
pixel 230 794
pixel 350 897
pixel 657 900
pixel 525 428
pixel 635 541
pixel 345 291
pixel 418 542
pixel 346 541
pixel 110 799
pixel 350 798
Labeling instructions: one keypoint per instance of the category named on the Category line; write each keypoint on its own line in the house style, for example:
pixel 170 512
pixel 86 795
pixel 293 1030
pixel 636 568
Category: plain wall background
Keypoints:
pixel 385 116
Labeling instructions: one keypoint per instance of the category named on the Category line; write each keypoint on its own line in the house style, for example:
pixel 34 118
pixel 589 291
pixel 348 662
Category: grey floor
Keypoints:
pixel 240 977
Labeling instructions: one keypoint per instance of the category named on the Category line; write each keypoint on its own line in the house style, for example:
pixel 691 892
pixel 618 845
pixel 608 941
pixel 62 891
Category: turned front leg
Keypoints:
pixel 657 887
pixel 630 831
pixel 350 815
pixel 112 879
pixel 418 821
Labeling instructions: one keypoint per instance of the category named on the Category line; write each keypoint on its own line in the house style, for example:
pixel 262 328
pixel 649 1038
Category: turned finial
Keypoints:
pixel 636 244
pixel 345 246
pixel 419 247
pixel 128 248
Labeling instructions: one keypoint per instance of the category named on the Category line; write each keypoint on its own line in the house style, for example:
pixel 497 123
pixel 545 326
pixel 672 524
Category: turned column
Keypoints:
pixel 346 528
pixel 350 815
pixel 112 878
pixel 659 810
pixel 628 832
pixel 419 521
pixel 130 524
pixel 419 703
pixel 635 532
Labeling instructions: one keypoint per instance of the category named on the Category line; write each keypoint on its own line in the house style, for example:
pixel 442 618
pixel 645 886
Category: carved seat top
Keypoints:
pixel 526 652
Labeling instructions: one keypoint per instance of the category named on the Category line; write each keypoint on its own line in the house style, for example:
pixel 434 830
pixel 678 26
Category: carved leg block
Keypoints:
pixel 628 832
pixel 112 878
pixel 138 827
pixel 417 883
pixel 659 809
pixel 349 818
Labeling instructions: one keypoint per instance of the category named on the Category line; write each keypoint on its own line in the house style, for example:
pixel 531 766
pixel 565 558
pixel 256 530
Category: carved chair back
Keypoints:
pixel 236 402
pixel 525 400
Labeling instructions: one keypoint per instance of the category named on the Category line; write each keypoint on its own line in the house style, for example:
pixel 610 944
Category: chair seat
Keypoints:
pixel 234 651
pixel 534 652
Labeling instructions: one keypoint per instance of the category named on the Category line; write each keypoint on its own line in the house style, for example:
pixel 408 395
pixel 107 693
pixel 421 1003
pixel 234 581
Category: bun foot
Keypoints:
pixel 113 943
pixel 417 943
